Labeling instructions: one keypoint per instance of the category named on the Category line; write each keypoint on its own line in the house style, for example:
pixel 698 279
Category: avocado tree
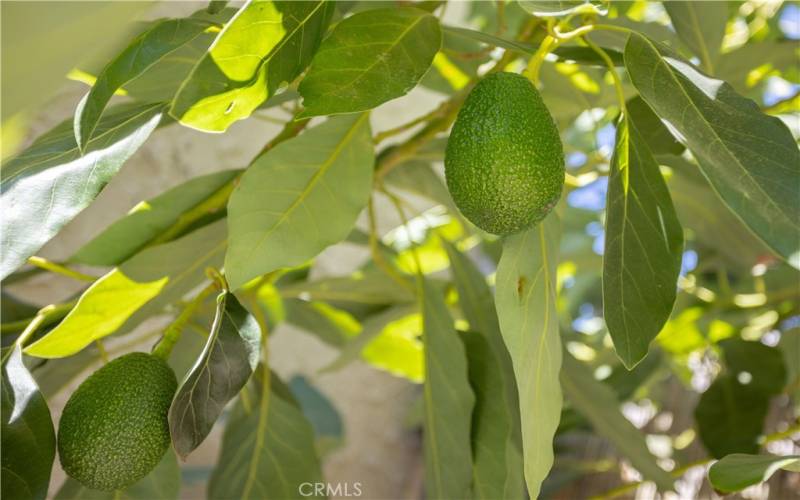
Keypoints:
pixel 597 233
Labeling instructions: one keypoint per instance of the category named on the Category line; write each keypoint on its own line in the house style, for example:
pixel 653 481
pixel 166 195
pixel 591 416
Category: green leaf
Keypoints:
pixel 333 326
pixel 50 182
pixel 701 26
pixel 497 460
pixel 145 50
pixel 526 308
pixel 146 223
pixel 418 177
pixel 598 404
pixel 738 471
pixel 643 247
pixel 750 158
pixel 163 483
pixel 320 412
pixel 28 438
pixel 373 288
pixel 730 416
pixel 146 283
pixel 223 368
pixel 299 198
pixel 268 445
pixel 763 363
pixel 736 66
pixel 265 45
pixel 448 401
pixel 655 134
pixel 554 8
pixel 370 58
pixel 497 470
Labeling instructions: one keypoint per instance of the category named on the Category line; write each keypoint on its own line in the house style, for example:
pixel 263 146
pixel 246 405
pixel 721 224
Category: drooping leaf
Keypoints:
pixel 298 198
pixel 764 364
pixel 163 483
pixel 28 438
pixel 320 412
pixel 730 416
pixel 222 369
pixel 497 468
pixel 147 222
pixel 497 460
pixel 333 326
pixel 448 401
pixel 147 282
pixel 50 182
pixel 701 26
pixel 598 404
pixel 268 445
pixel 526 308
pixel 370 58
pixel 145 50
pixel 265 45
pixel 738 471
pixel 643 247
pixel 750 158
pixel 554 8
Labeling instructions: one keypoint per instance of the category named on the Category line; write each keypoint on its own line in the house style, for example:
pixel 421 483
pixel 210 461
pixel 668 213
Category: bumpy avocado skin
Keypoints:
pixel 504 162
pixel 114 430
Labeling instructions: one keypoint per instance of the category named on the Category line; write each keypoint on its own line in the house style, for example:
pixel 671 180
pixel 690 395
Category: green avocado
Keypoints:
pixel 114 430
pixel 504 162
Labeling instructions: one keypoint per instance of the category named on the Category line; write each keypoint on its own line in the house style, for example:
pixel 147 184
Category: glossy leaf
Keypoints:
pixel 147 222
pixel 145 50
pixel 28 438
pixel 497 468
pixel 298 198
pixel 268 445
pixel 598 404
pixel 163 483
pixel 554 8
pixel 264 46
pixel 147 282
pixel 448 401
pixel 50 182
pixel 750 158
pixel 738 471
pixel 526 308
pixel 370 58
pixel 701 26
pixel 643 247
pixel 222 369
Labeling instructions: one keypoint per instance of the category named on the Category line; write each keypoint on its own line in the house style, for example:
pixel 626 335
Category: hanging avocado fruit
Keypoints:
pixel 504 162
pixel 114 430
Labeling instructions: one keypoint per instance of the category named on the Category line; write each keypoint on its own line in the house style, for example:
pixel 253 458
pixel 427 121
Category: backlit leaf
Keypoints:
pixel 370 58
pixel 163 483
pixel 300 197
pixel 50 182
pixel 553 8
pixel 701 26
pixel 448 401
pixel 333 326
pixel 598 403
pixel 146 223
pixel 148 281
pixel 738 471
pixel 643 247
pixel 265 45
pixel 526 308
pixel 222 369
pixel 146 50
pixel 268 445
pixel 750 158
pixel 28 438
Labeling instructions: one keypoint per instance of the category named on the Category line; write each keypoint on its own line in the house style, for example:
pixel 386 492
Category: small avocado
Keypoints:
pixel 113 430
pixel 504 162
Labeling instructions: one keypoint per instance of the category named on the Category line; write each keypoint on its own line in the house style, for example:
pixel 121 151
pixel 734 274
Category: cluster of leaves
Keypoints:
pixel 502 373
